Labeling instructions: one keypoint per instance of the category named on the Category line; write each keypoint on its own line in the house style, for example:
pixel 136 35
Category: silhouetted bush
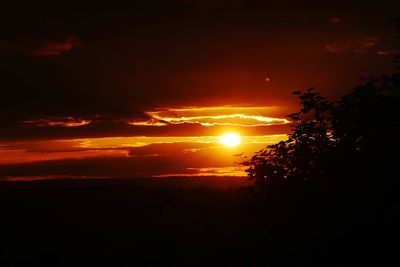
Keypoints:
pixel 354 140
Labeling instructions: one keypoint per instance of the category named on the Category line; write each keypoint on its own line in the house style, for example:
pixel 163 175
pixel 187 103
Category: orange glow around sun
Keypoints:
pixel 204 141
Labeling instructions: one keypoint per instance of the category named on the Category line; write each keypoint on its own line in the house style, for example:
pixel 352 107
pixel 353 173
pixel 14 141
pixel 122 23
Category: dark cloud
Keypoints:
pixel 53 48
pixel 363 45
pixel 111 128
pixel 41 47
pixel 96 166
pixel 336 20
pixel 142 162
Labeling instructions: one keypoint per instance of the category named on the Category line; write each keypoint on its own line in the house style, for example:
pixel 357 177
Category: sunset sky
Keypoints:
pixel 150 88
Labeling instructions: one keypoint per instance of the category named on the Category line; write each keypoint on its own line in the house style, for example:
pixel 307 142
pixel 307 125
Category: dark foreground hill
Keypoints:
pixel 123 223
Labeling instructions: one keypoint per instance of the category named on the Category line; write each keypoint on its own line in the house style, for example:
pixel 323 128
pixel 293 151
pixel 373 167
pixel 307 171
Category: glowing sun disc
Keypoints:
pixel 230 140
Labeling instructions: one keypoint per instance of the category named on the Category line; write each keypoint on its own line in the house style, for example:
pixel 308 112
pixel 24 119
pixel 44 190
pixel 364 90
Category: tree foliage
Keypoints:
pixel 353 137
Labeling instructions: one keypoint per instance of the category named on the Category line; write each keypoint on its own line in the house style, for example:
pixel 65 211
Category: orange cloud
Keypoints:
pixel 140 141
pixel 13 156
pixel 238 171
pixel 139 146
pixel 213 116
pixel 65 122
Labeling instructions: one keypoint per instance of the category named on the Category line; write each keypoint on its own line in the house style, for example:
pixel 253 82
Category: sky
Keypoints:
pixel 147 88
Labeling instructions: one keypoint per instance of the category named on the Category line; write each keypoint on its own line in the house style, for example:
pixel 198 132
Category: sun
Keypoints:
pixel 230 139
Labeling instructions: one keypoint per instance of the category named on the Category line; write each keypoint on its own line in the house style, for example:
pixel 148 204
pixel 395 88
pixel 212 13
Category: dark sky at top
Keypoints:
pixel 118 59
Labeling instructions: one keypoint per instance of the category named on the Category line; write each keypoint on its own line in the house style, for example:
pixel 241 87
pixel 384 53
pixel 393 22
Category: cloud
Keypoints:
pixel 65 122
pixel 213 116
pixel 55 48
pixel 338 47
pixel 115 166
pixel 193 121
pixel 206 163
pixel 192 150
pixel 209 171
pixel 366 44
pixel 22 156
pixel 363 45
pixel 44 47
pixel 335 20
pixel 13 132
pixel 388 52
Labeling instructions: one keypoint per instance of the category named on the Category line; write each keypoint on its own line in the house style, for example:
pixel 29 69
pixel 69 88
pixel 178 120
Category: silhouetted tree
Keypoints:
pixel 354 137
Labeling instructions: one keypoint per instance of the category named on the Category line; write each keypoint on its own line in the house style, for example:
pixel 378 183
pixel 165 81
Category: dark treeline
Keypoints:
pixel 355 137
pixel 329 194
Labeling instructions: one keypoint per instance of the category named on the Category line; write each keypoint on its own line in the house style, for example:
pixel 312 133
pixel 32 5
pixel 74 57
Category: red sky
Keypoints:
pixel 142 88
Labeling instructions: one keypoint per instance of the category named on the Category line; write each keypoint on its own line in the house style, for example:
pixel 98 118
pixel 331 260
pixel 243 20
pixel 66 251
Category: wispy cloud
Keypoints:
pixel 139 146
pixel 45 47
pixel 388 52
pixel 335 20
pixel 55 48
pixel 65 122
pixel 238 171
pixel 363 45
pixel 212 116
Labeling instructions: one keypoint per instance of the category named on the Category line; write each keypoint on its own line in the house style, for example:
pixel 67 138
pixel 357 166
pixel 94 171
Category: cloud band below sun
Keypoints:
pixel 117 157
